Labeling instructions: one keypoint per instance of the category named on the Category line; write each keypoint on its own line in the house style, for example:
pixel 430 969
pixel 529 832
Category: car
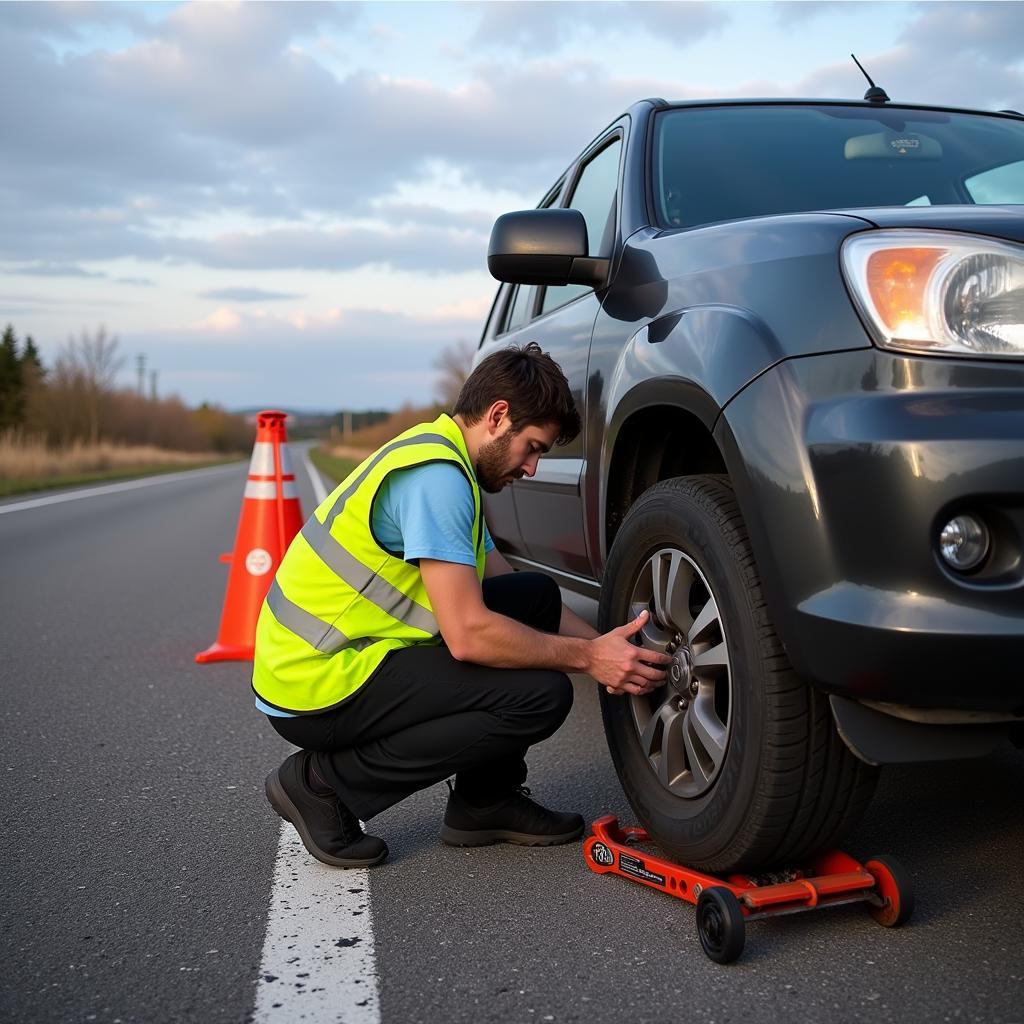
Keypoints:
pixel 794 330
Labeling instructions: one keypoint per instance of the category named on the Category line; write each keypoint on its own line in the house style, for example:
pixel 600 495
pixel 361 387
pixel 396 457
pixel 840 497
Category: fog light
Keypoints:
pixel 964 543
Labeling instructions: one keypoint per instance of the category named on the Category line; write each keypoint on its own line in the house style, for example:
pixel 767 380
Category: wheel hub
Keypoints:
pixel 680 672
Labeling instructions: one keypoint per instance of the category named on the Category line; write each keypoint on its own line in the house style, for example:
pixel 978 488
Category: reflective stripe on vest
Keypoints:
pixel 340 603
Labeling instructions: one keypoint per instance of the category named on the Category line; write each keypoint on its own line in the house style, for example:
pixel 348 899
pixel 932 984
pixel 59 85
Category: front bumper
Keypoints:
pixel 847 465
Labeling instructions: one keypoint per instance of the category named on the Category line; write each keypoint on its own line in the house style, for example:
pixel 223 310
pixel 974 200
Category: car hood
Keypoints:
pixel 995 221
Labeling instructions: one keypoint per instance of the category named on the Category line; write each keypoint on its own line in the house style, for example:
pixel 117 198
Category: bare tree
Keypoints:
pixel 93 361
pixel 454 364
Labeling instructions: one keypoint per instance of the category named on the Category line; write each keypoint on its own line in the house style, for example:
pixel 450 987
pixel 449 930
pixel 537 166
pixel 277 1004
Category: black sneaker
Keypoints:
pixel 327 828
pixel 515 819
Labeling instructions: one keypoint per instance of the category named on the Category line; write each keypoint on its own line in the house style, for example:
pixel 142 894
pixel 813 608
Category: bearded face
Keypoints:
pixel 494 468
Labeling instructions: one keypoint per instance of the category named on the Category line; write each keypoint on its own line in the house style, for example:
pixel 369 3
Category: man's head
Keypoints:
pixel 513 407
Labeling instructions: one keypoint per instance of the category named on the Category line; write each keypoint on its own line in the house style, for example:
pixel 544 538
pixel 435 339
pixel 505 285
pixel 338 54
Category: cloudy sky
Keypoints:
pixel 289 204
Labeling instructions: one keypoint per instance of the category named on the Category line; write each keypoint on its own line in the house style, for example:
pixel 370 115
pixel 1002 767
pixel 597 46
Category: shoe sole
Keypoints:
pixel 485 837
pixel 285 809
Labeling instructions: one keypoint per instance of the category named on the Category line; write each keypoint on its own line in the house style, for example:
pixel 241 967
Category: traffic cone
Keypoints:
pixel 271 516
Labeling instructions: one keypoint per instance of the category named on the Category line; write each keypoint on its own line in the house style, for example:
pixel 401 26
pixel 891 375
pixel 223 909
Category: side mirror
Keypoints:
pixel 544 247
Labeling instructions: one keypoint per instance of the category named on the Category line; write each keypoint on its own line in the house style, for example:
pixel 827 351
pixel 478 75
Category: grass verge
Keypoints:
pixel 9 487
pixel 331 465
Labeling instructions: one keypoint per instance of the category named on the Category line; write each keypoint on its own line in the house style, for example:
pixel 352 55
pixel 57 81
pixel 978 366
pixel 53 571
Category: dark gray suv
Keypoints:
pixel 795 333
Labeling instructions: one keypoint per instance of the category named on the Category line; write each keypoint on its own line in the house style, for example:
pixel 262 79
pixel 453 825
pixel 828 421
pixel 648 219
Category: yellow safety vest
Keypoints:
pixel 340 603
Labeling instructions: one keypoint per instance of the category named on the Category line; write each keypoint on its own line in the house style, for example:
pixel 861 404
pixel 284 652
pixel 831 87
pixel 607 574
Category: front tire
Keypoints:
pixel 735 763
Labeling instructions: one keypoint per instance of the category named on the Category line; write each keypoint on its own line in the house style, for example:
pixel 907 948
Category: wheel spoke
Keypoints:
pixel 649 738
pixel 713 657
pixel 707 615
pixel 672 763
pixel 707 726
pixel 693 762
pixel 660 587
pixel 649 636
pixel 677 595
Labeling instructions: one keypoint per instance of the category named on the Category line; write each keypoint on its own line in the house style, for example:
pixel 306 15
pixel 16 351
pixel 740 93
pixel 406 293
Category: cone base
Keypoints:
pixel 224 652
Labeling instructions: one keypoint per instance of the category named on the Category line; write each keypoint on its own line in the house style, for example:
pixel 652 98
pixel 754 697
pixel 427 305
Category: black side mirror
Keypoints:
pixel 544 247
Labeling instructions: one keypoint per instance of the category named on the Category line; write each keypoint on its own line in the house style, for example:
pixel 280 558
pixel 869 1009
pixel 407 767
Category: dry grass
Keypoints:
pixel 29 458
pixel 369 439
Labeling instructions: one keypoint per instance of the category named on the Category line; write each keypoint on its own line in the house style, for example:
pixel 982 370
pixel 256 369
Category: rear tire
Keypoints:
pixel 742 768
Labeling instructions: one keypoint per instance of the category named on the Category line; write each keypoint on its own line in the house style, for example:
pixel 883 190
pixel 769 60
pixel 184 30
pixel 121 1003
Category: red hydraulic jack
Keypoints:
pixel 725 905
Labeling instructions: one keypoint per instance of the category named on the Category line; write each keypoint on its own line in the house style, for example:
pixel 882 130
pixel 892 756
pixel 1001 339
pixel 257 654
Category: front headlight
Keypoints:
pixel 938 292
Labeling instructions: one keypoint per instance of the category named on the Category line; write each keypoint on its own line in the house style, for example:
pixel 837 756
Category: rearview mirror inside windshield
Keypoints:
pixel 892 146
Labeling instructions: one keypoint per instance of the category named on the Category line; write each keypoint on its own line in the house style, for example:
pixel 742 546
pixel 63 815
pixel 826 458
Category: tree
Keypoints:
pixel 30 358
pixel 454 362
pixel 94 361
pixel 33 382
pixel 12 388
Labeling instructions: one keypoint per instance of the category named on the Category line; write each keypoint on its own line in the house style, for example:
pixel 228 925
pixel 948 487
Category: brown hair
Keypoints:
pixel 530 381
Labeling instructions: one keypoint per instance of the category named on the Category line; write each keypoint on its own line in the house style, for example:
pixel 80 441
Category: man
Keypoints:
pixel 397 647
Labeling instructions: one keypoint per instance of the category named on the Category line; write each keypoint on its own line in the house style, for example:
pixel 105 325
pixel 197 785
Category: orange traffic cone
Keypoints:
pixel 271 516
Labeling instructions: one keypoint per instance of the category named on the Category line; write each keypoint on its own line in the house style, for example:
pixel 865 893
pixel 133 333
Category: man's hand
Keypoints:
pixel 622 667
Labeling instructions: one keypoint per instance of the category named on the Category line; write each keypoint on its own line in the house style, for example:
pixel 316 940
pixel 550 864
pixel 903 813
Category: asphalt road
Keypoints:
pixel 137 850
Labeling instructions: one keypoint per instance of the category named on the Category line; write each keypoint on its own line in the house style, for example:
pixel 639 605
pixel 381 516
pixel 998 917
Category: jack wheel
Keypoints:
pixel 895 901
pixel 720 925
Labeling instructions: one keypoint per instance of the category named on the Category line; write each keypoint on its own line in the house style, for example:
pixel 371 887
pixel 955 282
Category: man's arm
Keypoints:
pixel 496 564
pixel 474 633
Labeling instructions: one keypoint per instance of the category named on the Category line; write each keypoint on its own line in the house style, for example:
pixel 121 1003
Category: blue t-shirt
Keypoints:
pixel 423 512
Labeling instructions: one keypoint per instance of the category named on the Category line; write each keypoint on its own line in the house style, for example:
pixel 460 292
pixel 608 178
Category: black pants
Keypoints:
pixel 423 716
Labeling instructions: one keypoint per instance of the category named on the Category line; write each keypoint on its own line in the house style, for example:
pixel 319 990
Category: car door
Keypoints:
pixel 549 506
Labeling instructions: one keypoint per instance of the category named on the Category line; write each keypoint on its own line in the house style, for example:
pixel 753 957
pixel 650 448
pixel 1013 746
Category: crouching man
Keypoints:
pixel 397 647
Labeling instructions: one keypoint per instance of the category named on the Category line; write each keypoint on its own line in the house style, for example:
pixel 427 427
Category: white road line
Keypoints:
pixel 314 477
pixel 318 962
pixel 130 485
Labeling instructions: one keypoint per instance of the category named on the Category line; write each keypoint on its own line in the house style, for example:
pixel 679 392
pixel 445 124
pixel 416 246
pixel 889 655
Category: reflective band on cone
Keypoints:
pixel 271 516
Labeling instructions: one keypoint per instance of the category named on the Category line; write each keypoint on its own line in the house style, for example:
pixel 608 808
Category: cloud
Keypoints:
pixel 55 270
pixel 364 358
pixel 248 295
pixel 943 56
pixel 219 110
pixel 798 12
pixel 417 247
pixel 542 28
pixel 69 20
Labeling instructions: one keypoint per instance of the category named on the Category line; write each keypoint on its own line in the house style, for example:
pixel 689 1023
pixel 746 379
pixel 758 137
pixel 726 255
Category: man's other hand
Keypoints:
pixel 621 666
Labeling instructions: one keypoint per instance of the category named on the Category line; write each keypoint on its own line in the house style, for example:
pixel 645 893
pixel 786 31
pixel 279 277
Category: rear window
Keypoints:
pixel 723 163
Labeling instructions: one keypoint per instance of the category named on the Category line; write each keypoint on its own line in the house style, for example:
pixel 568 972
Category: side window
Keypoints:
pixel 594 197
pixel 1003 184
pixel 519 307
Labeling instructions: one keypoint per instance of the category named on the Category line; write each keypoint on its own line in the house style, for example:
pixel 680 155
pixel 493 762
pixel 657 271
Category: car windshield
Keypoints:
pixel 722 163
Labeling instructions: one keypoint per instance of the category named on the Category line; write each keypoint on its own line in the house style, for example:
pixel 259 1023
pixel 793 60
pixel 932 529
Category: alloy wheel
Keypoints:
pixel 684 726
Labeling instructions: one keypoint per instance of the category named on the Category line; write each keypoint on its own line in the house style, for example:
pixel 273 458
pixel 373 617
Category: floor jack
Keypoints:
pixel 725 905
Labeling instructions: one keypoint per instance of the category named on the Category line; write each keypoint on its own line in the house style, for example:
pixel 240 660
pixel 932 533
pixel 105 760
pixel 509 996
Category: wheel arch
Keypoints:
pixel 663 429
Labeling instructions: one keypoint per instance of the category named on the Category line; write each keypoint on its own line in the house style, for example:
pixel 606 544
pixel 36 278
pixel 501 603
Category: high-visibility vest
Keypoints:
pixel 340 603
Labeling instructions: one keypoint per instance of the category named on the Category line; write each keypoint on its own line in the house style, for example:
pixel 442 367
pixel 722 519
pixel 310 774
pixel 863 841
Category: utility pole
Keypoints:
pixel 152 384
pixel 141 362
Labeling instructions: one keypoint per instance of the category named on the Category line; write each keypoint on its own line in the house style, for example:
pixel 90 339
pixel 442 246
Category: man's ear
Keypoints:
pixel 496 415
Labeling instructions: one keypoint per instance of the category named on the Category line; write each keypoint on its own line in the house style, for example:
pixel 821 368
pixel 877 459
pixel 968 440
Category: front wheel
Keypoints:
pixel 735 763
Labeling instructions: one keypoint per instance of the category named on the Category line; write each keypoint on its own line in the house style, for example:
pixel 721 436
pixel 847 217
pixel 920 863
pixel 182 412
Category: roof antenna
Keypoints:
pixel 875 94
